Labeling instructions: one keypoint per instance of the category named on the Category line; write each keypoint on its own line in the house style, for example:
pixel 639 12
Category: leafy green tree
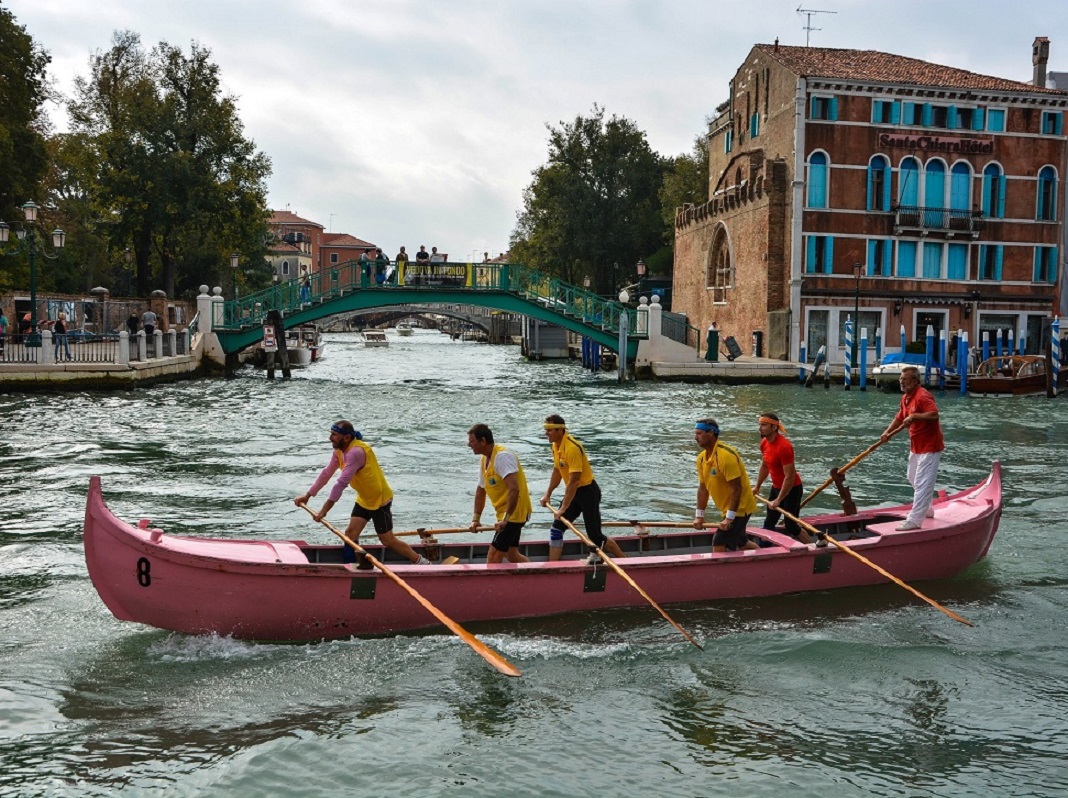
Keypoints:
pixel 686 182
pixel 176 179
pixel 593 209
pixel 23 90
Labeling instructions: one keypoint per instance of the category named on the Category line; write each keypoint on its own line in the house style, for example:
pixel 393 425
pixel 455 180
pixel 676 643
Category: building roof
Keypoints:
pixel 286 217
pixel 875 67
pixel 345 240
pixel 281 247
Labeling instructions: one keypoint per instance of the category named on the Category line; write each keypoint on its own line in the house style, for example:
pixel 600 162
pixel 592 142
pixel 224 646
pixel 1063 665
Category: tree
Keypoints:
pixel 686 182
pixel 23 90
pixel 177 182
pixel 593 209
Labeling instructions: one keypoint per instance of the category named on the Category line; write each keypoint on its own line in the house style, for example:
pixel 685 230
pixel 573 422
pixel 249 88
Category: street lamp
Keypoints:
pixel 858 269
pixel 28 239
pixel 640 268
pixel 128 256
pixel 235 259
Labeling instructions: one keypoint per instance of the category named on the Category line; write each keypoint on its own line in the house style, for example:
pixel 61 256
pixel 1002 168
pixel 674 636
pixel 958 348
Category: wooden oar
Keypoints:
pixel 870 564
pixel 444 531
pixel 849 465
pixel 484 651
pixel 652 524
pixel 626 577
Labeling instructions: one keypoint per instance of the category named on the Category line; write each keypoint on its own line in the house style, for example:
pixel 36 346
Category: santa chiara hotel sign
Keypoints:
pixel 964 146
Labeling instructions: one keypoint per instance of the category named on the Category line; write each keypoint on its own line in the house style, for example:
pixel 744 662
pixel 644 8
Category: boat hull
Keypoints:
pixel 285 590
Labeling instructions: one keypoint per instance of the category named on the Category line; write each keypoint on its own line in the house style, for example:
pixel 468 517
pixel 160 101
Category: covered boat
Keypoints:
pixel 888 371
pixel 1010 375
pixel 294 591
pixel 374 338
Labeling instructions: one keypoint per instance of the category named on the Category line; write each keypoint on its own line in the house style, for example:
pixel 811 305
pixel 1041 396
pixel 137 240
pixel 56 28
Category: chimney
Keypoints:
pixel 1039 58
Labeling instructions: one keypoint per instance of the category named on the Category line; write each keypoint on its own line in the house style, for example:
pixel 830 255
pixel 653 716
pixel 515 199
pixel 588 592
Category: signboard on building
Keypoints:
pixel 963 146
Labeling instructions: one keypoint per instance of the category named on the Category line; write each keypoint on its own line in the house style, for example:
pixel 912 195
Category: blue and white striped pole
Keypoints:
pixel 801 371
pixel 997 343
pixel 878 344
pixel 1010 344
pixel 986 345
pixel 863 376
pixel 962 363
pixel 904 345
pixel 1055 341
pixel 928 355
pixel 848 365
pixel 943 361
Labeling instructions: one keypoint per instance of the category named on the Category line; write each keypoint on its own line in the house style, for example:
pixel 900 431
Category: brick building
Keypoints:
pixel 924 194
pixel 300 246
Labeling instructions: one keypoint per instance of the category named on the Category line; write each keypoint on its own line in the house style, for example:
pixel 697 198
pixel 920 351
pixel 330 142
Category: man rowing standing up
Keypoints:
pixel 920 414
pixel 721 475
pixel 777 461
pixel 501 478
pixel 582 495
pixel 374 499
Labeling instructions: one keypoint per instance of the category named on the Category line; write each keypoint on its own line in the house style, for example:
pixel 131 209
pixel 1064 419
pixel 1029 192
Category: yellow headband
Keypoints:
pixel 767 420
pixel 555 426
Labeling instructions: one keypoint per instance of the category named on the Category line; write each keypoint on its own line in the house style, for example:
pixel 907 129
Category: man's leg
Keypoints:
pixel 923 474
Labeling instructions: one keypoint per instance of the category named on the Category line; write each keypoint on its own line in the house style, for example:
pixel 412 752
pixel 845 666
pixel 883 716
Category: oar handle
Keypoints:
pixel 625 576
pixel 480 648
pixel 870 564
pixel 445 531
pixel 850 464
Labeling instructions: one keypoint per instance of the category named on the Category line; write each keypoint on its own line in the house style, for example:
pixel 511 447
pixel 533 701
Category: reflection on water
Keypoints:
pixel 864 691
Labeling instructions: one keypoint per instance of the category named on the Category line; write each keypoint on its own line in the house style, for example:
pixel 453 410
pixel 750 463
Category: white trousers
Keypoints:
pixel 923 472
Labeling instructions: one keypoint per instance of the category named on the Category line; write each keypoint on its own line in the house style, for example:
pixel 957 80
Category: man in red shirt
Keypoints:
pixel 920 414
pixel 778 462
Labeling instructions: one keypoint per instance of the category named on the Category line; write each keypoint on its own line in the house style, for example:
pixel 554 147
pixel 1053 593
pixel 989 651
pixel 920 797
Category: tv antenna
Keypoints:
pixel 808 12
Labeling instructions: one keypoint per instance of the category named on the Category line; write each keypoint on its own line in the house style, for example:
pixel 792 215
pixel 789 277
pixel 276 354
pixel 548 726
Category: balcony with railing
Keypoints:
pixel 947 221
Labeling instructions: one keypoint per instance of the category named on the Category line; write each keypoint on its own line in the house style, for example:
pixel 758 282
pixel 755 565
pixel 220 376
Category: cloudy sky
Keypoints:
pixel 420 121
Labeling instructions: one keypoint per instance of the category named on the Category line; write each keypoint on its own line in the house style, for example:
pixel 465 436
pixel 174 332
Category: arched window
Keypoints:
pixel 879 184
pixel 817 180
pixel 934 193
pixel 993 191
pixel 960 187
pixel 720 270
pixel 908 183
pixel 1047 194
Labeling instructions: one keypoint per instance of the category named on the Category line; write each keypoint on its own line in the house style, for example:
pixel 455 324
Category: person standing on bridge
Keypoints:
pixel 374 498
pixel 582 495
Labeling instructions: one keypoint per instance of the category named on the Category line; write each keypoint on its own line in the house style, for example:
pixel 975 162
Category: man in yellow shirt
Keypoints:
pixel 582 496
pixel 721 475
pixel 374 498
pixel 501 478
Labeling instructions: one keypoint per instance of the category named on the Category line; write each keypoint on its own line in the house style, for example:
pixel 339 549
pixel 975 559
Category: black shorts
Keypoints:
pixel 735 537
pixel 508 537
pixel 382 518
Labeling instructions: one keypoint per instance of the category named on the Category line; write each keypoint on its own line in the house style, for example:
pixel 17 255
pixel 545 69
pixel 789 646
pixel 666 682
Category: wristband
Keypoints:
pixel 731 515
pixel 476 519
pixel 699 513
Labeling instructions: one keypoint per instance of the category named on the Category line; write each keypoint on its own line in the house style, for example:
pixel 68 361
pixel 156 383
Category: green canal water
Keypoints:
pixel 849 693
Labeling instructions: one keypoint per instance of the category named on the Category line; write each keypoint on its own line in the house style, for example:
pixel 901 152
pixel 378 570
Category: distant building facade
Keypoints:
pixel 927 195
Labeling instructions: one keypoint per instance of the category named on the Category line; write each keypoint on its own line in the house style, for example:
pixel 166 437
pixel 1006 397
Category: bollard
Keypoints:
pixel 943 362
pixel 962 363
pixel 801 371
pixel 928 356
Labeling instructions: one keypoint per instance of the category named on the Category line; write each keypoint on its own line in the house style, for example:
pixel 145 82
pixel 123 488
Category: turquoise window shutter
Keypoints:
pixel 927 115
pixel 828 255
pixel 999 258
pixel 833 114
pixel 895 113
pixel 978 119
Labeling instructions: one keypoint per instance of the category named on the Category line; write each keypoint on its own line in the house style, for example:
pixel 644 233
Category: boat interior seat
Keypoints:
pixel 779 539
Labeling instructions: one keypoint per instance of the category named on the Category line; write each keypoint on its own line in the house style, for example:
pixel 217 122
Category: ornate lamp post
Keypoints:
pixel 235 260
pixel 640 268
pixel 27 236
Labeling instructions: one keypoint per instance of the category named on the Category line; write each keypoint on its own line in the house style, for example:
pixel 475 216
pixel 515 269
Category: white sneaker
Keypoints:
pixel 422 561
pixel 906 526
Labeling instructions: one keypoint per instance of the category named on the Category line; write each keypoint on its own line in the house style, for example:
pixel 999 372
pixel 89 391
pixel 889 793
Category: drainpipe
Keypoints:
pixel 797 209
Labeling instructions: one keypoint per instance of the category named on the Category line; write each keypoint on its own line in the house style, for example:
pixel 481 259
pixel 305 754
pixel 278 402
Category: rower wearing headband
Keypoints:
pixel 374 499
pixel 778 462
pixel 721 477
pixel 582 496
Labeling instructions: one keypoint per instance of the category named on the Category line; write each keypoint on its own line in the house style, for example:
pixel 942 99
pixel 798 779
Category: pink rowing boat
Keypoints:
pixel 289 590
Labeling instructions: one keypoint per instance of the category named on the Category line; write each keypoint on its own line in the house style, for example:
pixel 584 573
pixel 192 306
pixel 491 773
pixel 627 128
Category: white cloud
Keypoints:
pixel 420 122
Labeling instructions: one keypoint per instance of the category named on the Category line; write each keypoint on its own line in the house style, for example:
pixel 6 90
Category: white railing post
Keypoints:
pixel 124 348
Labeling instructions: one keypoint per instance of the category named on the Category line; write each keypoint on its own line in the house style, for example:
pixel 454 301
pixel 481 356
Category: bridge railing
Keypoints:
pixel 340 279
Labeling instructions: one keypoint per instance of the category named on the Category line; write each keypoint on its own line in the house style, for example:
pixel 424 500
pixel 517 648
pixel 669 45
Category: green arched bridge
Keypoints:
pixel 352 287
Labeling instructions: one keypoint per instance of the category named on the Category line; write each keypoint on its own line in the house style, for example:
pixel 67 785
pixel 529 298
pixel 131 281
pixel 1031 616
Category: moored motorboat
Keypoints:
pixel 374 338
pixel 295 591
pixel 1010 375
pixel 887 371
